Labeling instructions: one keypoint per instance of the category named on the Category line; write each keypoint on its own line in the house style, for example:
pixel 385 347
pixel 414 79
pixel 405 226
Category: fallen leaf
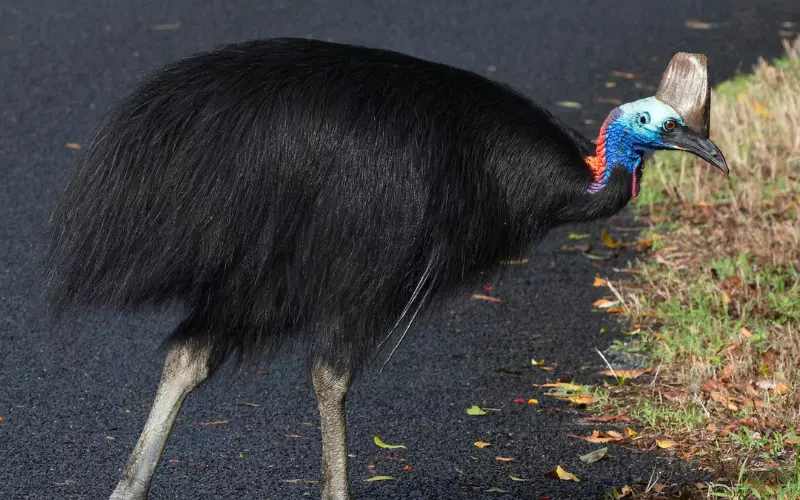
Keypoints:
pixel 598 437
pixel 565 386
pixel 378 478
pixel 294 436
pixel 475 411
pixel 603 303
pixel 515 478
pixel 592 256
pixel 1 419
pixel 251 405
pixel 533 401
pixel 65 482
pixel 609 100
pixel 575 236
pixel 626 490
pixel 724 401
pixel 624 74
pixel 560 473
pixel 504 459
pixel 175 461
pixel 745 332
pixel 407 468
pixel 519 400
pixel 537 363
pixel 168 26
pixel 594 456
pixel 481 444
pixel 215 422
pixel 726 373
pixel 609 241
pixel 697 25
pixel 547 368
pixel 73 145
pixel 497 490
pixel 711 386
pixel 666 443
pixel 630 432
pixel 569 104
pixel 582 399
pixel 726 299
pixel 611 85
pixel 629 374
pixel 381 444
pixel 478 296
pixel 658 487
pixel 769 357
pixel 598 281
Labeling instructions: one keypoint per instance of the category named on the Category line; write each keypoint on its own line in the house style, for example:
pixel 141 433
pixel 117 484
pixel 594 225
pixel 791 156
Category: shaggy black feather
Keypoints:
pixel 299 191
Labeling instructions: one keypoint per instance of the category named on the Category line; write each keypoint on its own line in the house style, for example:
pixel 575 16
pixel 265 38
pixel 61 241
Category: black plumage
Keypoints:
pixel 292 190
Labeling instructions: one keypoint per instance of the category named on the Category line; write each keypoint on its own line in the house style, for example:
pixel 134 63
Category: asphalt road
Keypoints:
pixel 74 398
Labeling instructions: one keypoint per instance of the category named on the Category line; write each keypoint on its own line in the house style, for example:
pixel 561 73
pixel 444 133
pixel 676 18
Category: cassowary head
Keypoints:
pixel 676 118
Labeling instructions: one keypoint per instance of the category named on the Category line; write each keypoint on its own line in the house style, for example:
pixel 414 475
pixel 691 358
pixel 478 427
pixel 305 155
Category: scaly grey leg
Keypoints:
pixel 184 370
pixel 331 389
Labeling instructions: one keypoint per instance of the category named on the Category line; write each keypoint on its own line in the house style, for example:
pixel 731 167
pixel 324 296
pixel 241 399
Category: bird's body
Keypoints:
pixel 291 191
pixel 278 187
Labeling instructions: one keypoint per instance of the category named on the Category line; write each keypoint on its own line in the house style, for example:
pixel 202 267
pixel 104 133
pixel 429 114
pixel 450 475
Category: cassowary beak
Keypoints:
pixel 685 86
pixel 685 139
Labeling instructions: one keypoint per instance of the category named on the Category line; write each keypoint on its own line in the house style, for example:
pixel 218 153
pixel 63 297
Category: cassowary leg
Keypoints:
pixel 184 369
pixel 331 389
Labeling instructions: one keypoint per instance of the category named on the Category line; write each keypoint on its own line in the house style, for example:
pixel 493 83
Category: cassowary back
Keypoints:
pixel 297 189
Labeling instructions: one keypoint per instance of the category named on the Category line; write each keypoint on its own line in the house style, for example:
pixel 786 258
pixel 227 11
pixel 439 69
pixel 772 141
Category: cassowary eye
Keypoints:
pixel 670 125
pixel 644 118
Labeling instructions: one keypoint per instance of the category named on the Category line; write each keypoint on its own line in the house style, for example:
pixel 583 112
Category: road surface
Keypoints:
pixel 74 398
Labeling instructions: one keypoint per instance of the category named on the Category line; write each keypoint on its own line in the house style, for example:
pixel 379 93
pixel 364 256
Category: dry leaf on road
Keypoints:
pixel 560 473
pixel 594 456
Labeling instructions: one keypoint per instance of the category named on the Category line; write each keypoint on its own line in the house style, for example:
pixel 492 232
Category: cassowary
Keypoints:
pixel 314 195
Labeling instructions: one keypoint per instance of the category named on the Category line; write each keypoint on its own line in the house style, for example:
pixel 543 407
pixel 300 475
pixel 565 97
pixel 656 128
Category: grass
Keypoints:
pixel 716 295
pixel 658 416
